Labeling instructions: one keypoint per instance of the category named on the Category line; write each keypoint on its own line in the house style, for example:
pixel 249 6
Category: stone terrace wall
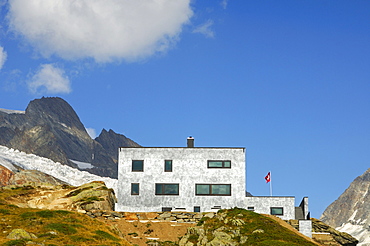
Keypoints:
pixel 180 217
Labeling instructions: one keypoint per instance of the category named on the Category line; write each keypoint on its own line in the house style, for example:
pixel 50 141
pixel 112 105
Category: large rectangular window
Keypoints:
pixel 135 189
pixel 213 189
pixel 137 165
pixel 277 211
pixel 168 165
pixel 166 189
pixel 219 164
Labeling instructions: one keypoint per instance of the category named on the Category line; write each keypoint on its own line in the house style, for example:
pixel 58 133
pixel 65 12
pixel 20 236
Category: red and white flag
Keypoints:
pixel 268 177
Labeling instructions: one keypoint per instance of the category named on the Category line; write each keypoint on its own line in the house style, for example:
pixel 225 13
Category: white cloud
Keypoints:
pixel 205 29
pixel 49 79
pixel 224 3
pixel 105 30
pixel 91 132
pixel 3 56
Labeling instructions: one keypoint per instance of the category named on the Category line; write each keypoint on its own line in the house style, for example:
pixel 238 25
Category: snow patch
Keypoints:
pixel 82 165
pixel 63 124
pixel 357 231
pixel 65 173
pixel 9 111
pixel 353 215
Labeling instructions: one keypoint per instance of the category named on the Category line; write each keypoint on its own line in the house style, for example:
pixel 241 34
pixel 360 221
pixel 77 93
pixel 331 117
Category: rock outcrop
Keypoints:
pixel 351 211
pixel 327 235
pixel 20 234
pixel 5 176
pixel 17 176
pixel 51 128
pixel 90 196
pixel 240 227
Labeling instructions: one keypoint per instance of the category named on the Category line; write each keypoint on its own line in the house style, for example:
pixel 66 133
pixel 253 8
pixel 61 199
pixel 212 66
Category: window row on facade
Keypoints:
pixel 138 165
pixel 273 210
pixel 200 189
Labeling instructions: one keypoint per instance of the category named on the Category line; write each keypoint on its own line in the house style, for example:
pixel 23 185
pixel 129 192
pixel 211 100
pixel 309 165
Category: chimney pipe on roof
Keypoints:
pixel 190 142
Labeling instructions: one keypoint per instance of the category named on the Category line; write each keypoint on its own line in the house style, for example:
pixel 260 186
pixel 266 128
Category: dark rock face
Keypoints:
pixel 51 128
pixel 111 141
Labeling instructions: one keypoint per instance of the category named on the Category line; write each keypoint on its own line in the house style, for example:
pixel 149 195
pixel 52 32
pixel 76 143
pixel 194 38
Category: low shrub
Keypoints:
pixel 4 211
pixel 28 216
pixel 81 239
pixel 18 242
pixel 62 228
pixel 134 234
pixel 45 213
pixel 78 191
pixel 105 235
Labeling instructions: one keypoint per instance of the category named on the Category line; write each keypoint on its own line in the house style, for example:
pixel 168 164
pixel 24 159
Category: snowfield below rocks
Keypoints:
pixel 360 232
pixel 72 176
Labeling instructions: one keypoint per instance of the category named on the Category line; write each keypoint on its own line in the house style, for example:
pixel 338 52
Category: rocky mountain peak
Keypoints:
pixel 353 204
pixel 351 211
pixel 51 128
pixel 53 110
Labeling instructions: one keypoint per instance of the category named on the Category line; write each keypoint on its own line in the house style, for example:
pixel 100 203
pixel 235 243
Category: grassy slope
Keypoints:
pixel 273 232
pixel 52 227
pixel 59 227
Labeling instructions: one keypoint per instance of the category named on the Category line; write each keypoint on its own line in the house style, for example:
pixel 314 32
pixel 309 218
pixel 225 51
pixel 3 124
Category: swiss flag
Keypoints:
pixel 268 177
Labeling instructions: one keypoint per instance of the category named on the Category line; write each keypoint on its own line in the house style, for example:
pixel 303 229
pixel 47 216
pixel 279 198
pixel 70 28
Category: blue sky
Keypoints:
pixel 289 80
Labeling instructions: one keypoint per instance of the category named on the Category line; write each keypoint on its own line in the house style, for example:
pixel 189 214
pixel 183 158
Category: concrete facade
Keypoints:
pixel 196 179
pixel 189 168
pixel 272 205
pixel 305 227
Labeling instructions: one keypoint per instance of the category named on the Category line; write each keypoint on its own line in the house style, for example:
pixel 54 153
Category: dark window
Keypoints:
pixel 166 189
pixel 219 164
pixel 213 189
pixel 134 189
pixel 196 209
pixel 166 209
pixel 251 208
pixel 137 165
pixel 168 165
pixel 277 211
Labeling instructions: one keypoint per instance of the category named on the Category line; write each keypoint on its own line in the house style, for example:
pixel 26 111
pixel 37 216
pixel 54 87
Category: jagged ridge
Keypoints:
pixel 351 211
pixel 51 128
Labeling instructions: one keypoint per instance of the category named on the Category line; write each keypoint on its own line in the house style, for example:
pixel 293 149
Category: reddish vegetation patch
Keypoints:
pixel 5 176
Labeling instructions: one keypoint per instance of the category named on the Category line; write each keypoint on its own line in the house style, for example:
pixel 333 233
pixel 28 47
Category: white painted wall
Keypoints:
pixel 263 204
pixel 305 227
pixel 189 168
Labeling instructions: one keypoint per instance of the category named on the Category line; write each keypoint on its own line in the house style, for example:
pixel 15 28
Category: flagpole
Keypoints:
pixel 270 184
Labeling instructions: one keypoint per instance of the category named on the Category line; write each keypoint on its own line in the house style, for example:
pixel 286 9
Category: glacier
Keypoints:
pixel 10 157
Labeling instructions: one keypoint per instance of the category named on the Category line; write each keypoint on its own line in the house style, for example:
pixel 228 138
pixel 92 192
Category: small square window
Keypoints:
pixel 135 189
pixel 196 209
pixel 168 165
pixel 277 211
pixel 137 165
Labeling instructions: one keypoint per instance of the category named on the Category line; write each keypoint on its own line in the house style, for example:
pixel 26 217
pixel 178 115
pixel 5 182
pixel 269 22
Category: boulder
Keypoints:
pixel 20 234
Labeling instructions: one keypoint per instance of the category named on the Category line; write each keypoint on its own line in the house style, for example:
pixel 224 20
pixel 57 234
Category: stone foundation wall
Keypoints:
pixel 181 217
